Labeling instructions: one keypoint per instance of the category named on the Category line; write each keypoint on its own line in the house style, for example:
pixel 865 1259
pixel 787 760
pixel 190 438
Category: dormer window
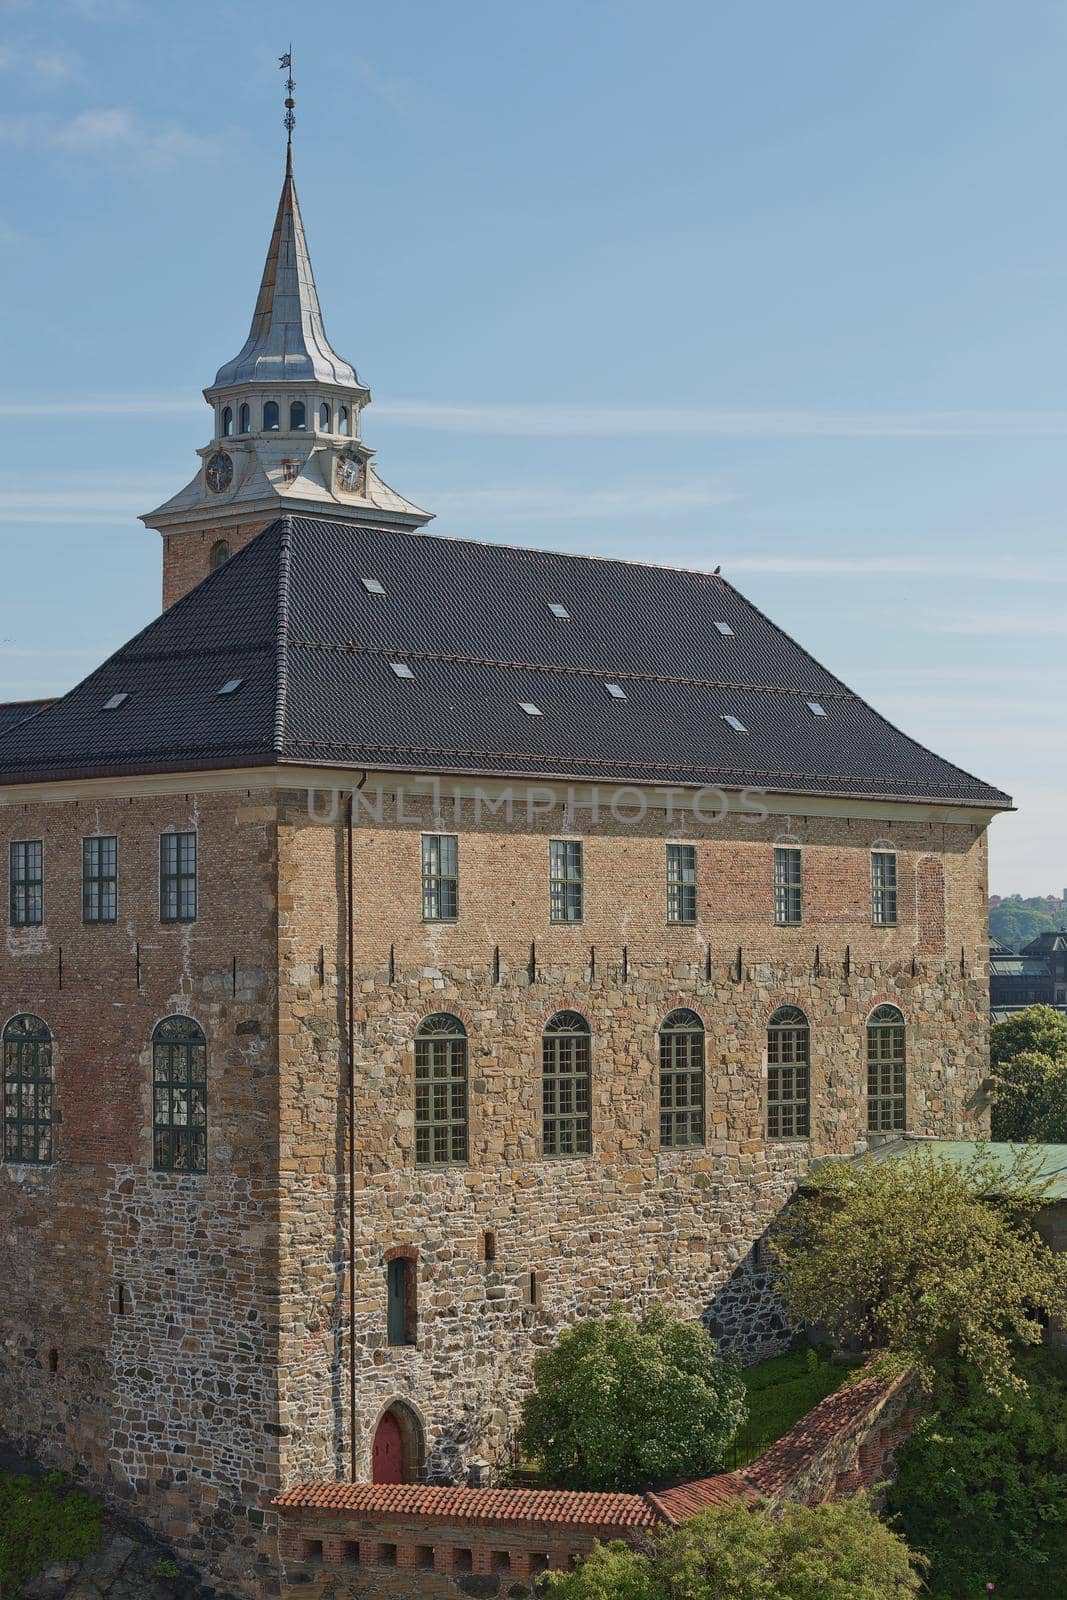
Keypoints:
pixel 244 419
pixel 324 417
pixel 342 421
pixel 270 416
pixel 298 417
pixel 227 421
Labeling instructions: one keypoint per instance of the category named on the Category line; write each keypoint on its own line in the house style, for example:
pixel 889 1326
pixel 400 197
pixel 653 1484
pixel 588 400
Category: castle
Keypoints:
pixel 415 944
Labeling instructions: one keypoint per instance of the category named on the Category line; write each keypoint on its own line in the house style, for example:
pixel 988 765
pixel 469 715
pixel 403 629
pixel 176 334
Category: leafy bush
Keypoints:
pixel 40 1523
pixel 780 1392
pixel 982 1487
pixel 922 1256
pixel 618 1404
pixel 828 1552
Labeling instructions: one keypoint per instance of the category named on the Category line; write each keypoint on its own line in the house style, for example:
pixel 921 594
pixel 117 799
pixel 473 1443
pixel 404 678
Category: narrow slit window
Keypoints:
pixel 884 888
pixel 440 877
pixel 177 877
pixel 401 1304
pixel 788 886
pixel 565 889
pixel 26 872
pixel 788 1074
pixel 681 883
pixel 566 1086
pixel 681 1080
pixel 100 879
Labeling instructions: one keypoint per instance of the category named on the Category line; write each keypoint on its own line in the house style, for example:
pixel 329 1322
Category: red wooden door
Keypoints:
pixel 387 1463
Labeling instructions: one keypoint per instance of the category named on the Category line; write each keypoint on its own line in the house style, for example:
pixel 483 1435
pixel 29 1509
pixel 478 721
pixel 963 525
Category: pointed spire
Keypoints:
pixel 287 341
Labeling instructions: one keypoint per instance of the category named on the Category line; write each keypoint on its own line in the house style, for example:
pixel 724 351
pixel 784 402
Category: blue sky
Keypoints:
pixel 782 287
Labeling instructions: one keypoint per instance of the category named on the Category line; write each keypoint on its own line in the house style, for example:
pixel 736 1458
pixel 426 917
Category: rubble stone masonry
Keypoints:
pixel 220 1375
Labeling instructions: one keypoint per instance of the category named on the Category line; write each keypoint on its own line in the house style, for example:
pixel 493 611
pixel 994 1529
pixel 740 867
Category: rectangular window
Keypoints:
pixel 788 1103
pixel 100 885
pixel 401 1316
pixel 566 1090
pixel 681 1087
pixel 440 877
pixel 884 888
pixel 565 880
pixel 177 877
pixel 27 883
pixel 787 870
pixel 681 883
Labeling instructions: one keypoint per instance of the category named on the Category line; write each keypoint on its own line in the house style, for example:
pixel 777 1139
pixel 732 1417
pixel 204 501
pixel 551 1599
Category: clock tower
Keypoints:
pixel 287 434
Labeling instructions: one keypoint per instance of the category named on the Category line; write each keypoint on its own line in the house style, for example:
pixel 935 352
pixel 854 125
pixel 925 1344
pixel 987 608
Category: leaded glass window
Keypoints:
pixel 566 1085
pixel 681 1080
pixel 440 1091
pixel 565 880
pixel 179 1096
pixel 886 1071
pixel 681 883
pixel 177 877
pixel 787 885
pixel 440 877
pixel 788 1075
pixel 27 1090
pixel 100 884
pixel 884 888
pixel 27 882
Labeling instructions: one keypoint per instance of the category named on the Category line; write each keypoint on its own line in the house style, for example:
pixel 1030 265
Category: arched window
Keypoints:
pixel 270 415
pixel 342 420
pixel 220 552
pixel 440 1091
pixel 886 1071
pixel 244 418
pixel 681 1079
pixel 27 1090
pixel 566 1085
pixel 324 417
pixel 179 1096
pixel 227 421
pixel 298 417
pixel 788 1075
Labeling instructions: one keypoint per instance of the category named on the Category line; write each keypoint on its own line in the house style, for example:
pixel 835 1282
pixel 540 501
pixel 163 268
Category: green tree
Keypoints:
pixel 827 1552
pixel 923 1256
pixel 618 1404
pixel 1031 1099
pixel 1015 922
pixel 1039 1030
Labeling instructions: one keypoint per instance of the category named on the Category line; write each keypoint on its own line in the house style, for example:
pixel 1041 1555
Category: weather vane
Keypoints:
pixel 285 63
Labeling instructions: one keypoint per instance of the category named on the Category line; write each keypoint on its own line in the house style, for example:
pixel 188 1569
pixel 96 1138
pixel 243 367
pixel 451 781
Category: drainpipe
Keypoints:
pixel 350 1019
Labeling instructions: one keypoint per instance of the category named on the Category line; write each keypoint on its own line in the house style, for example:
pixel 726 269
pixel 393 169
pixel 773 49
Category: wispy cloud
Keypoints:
pixel 39 67
pixel 534 502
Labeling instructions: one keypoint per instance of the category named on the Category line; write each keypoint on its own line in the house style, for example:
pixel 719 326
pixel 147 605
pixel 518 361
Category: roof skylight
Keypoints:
pixel 559 611
pixel 115 701
pixel 735 723
pixel 616 691
pixel 816 709
pixel 530 709
pixel 725 629
pixel 231 685
pixel 372 586
pixel 401 669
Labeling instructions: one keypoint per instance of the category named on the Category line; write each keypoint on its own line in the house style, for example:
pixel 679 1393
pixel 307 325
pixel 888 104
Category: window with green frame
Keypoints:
pixel 787 885
pixel 566 1061
pixel 440 1091
pixel 884 888
pixel 440 877
pixel 565 880
pixel 681 883
pixel 179 1096
pixel 100 878
pixel 886 1071
pixel 681 1080
pixel 27 1046
pixel 26 874
pixel 788 1074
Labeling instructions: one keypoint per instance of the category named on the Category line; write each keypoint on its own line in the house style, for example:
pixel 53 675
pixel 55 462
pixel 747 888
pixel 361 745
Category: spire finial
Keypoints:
pixel 285 64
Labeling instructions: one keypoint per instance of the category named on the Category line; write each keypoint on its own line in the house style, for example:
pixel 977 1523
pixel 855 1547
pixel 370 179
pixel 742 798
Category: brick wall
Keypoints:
pixel 187 552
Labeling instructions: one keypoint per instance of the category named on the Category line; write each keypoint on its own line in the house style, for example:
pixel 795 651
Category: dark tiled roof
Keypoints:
pixel 12 712
pixel 290 616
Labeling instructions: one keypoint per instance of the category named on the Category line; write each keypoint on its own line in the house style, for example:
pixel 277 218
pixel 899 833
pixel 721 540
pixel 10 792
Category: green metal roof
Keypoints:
pixel 1052 1158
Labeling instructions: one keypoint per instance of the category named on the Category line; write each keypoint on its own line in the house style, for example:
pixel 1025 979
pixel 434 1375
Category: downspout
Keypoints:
pixel 351 1043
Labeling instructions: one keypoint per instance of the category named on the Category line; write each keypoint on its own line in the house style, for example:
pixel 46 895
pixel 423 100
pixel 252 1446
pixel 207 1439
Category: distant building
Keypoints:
pixel 1036 976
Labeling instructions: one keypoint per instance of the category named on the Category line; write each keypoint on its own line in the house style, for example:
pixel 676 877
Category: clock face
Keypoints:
pixel 219 472
pixel 350 474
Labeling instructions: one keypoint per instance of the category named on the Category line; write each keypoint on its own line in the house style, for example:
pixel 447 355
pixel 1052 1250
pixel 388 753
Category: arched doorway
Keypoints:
pixel 396 1454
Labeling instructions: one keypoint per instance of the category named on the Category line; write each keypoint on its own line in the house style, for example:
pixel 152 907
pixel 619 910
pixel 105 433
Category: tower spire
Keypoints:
pixel 285 64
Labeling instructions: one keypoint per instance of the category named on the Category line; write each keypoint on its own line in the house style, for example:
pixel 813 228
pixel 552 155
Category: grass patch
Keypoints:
pixel 780 1392
pixel 42 1521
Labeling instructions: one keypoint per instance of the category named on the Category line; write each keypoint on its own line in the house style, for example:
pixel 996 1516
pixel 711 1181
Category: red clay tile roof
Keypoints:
pixel 441 1503
pixel 832 1417
pixel 687 1499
